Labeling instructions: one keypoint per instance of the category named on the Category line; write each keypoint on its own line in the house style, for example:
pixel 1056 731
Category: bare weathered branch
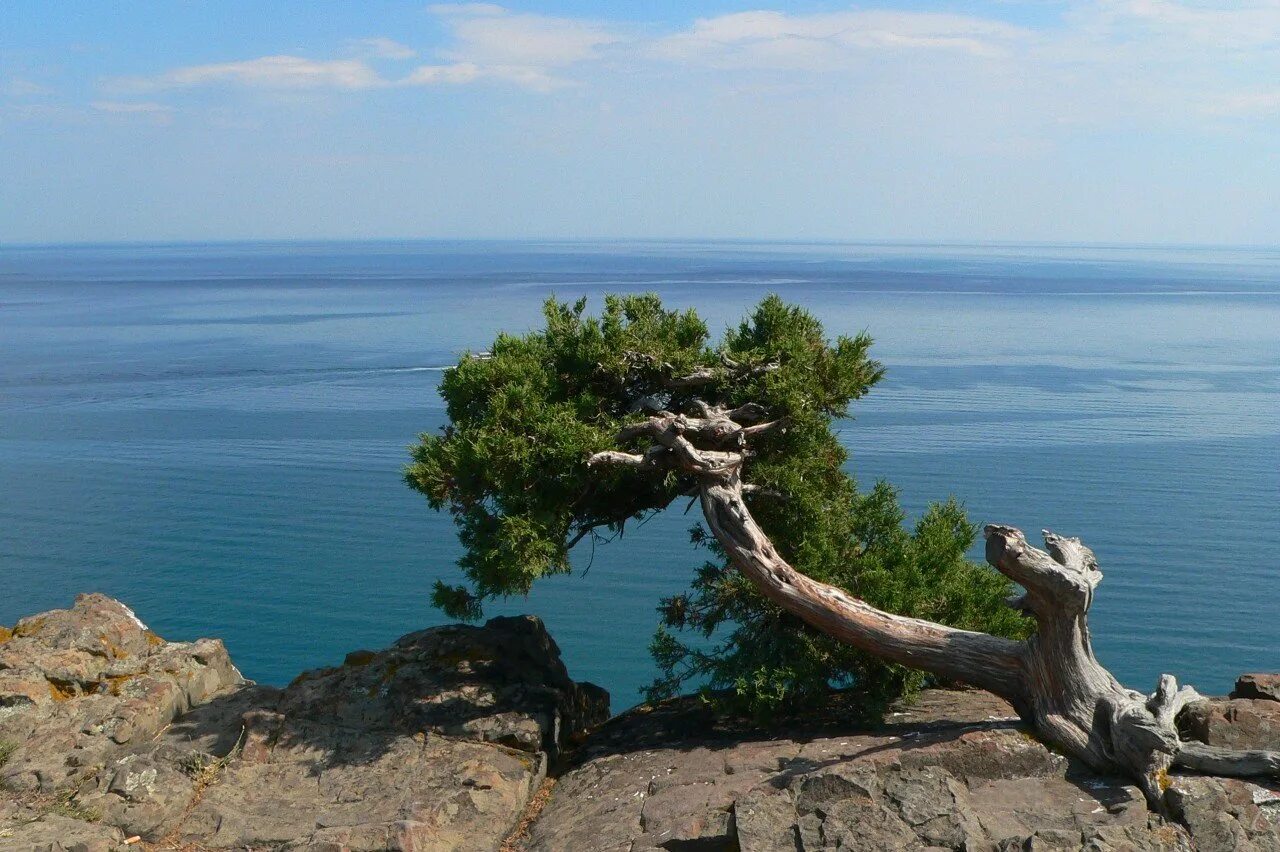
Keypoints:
pixel 698 378
pixel 960 655
pixel 654 457
pixel 763 428
pixel 1050 584
pixel 748 488
pixel 1212 760
pixel 705 409
pixel 1169 700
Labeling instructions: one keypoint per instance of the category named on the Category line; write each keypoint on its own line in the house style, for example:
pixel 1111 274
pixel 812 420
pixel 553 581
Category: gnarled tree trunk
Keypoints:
pixel 1052 679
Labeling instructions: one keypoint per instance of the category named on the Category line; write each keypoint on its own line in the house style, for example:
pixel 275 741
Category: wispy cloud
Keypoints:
pixel 489 35
pixel 829 41
pixel 1099 57
pixel 275 72
pixel 430 75
pixel 487 43
pixel 381 48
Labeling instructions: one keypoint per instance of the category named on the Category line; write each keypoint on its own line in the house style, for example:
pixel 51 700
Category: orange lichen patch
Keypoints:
pixel 153 639
pixel 28 626
pixel 5 635
pixel 60 693
pixel 114 683
pixel 1163 779
pixel 113 650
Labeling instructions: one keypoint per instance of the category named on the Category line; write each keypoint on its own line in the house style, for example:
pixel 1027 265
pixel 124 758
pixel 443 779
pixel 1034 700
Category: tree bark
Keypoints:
pixel 1052 679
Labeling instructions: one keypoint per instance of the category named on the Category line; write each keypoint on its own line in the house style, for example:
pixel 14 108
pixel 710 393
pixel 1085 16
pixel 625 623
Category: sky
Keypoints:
pixel 1098 121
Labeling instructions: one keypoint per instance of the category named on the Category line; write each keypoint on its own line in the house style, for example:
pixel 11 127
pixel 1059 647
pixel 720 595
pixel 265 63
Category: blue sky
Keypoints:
pixel 1023 120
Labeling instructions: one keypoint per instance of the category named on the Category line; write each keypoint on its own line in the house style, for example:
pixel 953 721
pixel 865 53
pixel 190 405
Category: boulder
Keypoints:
pixel 78 686
pixel 436 743
pixel 502 683
pixel 1258 686
pixel 1238 723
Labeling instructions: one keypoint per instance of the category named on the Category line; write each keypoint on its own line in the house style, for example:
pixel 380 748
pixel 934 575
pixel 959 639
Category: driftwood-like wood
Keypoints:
pixel 1052 679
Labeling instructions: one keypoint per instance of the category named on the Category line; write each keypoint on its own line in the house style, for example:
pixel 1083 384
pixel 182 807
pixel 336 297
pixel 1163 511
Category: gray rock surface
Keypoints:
pixel 434 744
pixel 31 828
pixel 109 734
pixel 78 685
pixel 1227 815
pixel 954 771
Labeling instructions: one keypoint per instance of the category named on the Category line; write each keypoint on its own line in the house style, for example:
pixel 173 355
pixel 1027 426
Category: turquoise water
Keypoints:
pixel 215 433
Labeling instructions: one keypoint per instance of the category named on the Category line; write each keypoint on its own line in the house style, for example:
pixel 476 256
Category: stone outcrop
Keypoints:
pixel 1240 723
pixel 112 739
pixel 78 685
pixel 436 743
pixel 1264 686
pixel 953 771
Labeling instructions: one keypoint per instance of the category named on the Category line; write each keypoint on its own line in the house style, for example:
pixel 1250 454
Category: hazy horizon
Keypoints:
pixel 553 240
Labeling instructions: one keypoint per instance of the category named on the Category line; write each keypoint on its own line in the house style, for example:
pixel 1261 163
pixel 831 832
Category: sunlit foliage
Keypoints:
pixel 511 467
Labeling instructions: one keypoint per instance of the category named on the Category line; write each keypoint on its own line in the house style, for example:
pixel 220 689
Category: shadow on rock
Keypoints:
pixel 437 742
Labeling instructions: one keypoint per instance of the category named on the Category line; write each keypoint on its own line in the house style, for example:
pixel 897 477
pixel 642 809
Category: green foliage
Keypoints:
pixel 6 751
pixel 511 467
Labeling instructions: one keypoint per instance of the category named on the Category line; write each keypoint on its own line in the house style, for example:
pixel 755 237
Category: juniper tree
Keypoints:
pixel 571 432
pixel 514 468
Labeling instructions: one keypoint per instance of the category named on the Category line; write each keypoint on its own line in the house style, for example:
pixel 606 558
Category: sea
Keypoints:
pixel 216 433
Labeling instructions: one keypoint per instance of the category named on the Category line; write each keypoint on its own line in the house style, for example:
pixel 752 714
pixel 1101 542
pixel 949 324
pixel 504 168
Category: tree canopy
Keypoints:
pixel 512 468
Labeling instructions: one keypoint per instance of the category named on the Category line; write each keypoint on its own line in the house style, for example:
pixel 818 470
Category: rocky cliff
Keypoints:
pixel 112 738
pixel 111 735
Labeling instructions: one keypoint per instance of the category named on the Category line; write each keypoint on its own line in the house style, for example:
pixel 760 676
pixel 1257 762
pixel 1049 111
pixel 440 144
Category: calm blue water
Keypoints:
pixel 215 433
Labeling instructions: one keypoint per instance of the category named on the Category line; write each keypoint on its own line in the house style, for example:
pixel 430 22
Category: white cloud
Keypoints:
pixel 268 72
pixel 828 41
pixel 1100 61
pixel 381 48
pixel 490 36
pixel 487 43
pixel 427 75
pixel 460 73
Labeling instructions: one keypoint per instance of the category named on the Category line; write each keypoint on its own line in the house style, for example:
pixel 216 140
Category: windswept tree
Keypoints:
pixel 570 432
